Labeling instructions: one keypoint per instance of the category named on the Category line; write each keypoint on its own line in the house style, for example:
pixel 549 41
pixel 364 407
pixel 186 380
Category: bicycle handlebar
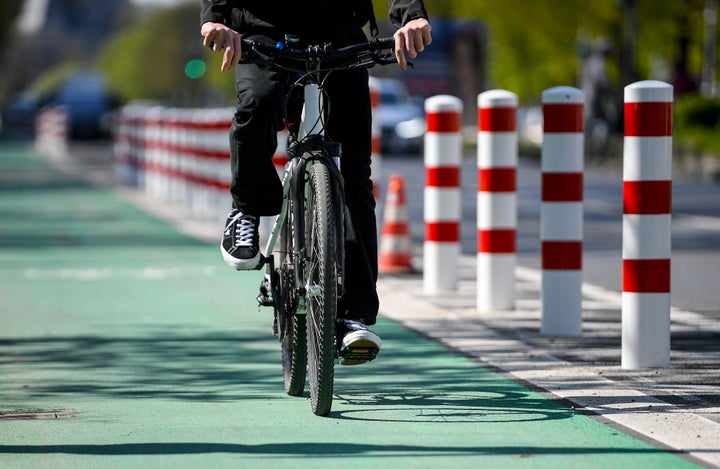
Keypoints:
pixel 362 55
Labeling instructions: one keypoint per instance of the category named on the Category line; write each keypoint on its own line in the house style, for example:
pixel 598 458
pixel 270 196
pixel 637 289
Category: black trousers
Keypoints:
pixel 256 188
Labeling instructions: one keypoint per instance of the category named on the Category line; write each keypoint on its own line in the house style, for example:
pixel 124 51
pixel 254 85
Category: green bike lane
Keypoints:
pixel 124 343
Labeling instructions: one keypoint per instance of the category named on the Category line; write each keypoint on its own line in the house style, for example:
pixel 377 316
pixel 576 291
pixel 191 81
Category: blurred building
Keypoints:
pixel 50 32
pixel 87 18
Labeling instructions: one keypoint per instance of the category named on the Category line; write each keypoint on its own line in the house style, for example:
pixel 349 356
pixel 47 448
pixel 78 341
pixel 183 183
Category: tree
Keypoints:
pixel 147 60
pixel 534 45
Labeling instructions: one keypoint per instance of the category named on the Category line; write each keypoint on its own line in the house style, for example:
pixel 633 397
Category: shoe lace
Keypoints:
pixel 354 325
pixel 245 227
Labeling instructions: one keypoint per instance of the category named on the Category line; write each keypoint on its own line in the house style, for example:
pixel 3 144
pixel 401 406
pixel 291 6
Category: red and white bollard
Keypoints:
pixel 497 155
pixel 151 177
pixel 647 185
pixel 217 175
pixel 51 131
pixel 376 155
pixel 128 144
pixel 280 159
pixel 443 156
pixel 561 226
pixel 122 147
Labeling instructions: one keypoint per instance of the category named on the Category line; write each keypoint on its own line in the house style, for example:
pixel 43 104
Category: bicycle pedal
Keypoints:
pixel 265 300
pixel 261 263
pixel 357 355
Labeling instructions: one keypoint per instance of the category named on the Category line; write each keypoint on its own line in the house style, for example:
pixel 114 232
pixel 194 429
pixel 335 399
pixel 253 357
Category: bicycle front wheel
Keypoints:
pixel 321 288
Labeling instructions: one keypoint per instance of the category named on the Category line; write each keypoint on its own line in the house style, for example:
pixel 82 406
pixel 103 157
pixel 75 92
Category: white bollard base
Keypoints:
pixel 645 330
pixel 496 282
pixel 440 267
pixel 561 302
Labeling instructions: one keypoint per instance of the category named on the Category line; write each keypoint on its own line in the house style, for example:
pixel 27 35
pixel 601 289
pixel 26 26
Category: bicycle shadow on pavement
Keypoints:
pixel 155 362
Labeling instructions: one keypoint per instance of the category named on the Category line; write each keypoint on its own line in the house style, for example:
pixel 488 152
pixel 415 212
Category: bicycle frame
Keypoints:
pixel 311 130
pixel 311 113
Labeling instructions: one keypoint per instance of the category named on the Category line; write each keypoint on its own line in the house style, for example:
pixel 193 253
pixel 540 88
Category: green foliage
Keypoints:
pixel 693 111
pixel 51 80
pixel 697 123
pixel 148 59
pixel 534 44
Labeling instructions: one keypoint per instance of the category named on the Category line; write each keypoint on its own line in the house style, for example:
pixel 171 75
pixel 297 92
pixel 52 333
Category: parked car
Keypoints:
pixel 89 104
pixel 530 126
pixel 401 119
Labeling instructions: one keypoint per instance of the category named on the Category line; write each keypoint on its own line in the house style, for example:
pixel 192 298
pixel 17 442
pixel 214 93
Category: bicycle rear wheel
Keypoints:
pixel 292 330
pixel 321 286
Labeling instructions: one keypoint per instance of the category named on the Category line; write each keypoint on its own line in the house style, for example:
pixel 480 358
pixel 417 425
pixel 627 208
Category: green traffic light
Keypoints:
pixel 195 68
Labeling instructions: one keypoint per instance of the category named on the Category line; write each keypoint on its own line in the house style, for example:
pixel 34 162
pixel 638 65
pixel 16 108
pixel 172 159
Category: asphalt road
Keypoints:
pixel 695 225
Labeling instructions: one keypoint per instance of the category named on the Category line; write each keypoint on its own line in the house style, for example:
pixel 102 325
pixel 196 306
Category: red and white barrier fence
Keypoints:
pixel 497 154
pixel 646 250
pixel 179 156
pixel 561 226
pixel 443 156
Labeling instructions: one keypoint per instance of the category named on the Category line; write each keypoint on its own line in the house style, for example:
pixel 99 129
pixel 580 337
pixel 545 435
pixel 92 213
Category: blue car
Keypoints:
pixel 89 105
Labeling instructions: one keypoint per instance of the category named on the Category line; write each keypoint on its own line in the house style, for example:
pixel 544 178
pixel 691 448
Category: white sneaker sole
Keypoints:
pixel 240 264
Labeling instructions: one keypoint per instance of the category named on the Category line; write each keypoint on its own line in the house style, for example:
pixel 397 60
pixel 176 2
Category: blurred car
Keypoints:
pixel 402 120
pixel 530 126
pixel 89 105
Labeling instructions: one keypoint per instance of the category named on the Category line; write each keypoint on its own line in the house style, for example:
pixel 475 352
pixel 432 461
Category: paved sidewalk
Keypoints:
pixel 677 407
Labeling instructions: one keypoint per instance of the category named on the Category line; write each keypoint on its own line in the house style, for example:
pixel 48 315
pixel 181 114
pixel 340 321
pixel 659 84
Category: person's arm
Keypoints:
pixel 414 28
pixel 214 19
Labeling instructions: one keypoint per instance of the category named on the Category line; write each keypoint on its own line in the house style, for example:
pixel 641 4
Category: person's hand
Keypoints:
pixel 413 37
pixel 219 37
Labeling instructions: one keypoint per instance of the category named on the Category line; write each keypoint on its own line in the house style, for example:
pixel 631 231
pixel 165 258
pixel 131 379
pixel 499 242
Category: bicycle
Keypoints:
pixel 304 284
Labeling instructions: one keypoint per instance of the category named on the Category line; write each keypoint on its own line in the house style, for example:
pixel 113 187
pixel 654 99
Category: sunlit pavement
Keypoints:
pixel 126 342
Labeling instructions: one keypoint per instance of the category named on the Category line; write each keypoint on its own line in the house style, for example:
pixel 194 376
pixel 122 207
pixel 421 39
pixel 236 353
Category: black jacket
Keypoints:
pixel 318 18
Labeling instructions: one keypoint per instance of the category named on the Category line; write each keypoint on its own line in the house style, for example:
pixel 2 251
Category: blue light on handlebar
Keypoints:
pixel 279 45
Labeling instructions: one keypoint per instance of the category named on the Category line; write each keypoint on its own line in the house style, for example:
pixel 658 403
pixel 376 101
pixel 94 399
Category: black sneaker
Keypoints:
pixel 358 344
pixel 240 243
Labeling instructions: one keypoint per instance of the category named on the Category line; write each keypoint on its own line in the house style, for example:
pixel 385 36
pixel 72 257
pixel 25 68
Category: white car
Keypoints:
pixel 402 120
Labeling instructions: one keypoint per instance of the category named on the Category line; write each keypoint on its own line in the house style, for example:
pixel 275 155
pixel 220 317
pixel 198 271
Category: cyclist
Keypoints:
pixel 255 187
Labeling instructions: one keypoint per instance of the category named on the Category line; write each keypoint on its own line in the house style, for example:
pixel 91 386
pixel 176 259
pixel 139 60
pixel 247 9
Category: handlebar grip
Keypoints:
pixel 386 42
pixel 246 44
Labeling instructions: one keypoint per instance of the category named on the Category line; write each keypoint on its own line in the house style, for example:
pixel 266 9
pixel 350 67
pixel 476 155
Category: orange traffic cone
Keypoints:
pixel 395 245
